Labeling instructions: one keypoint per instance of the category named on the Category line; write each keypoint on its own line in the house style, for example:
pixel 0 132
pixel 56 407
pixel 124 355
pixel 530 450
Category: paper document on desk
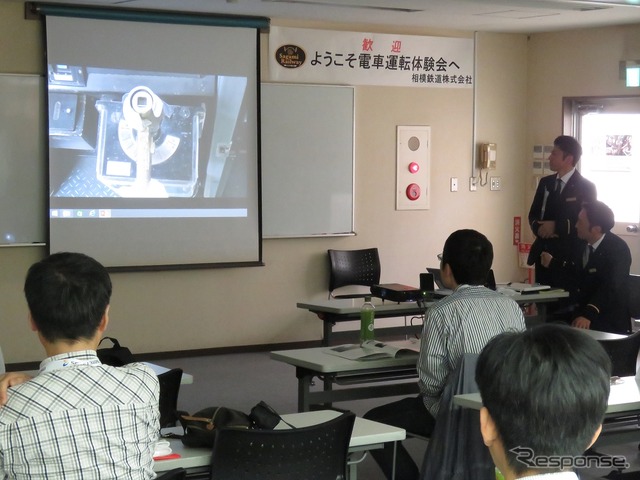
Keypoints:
pixel 374 350
pixel 527 287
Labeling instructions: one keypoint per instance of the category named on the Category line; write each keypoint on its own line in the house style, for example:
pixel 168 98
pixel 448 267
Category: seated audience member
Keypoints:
pixel 461 323
pixel 544 394
pixel 77 418
pixel 601 268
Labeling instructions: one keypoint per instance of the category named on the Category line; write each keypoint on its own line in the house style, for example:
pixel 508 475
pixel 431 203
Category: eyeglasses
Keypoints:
pixel 439 256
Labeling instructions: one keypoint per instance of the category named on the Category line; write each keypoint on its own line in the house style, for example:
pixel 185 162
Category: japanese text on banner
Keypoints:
pixel 320 56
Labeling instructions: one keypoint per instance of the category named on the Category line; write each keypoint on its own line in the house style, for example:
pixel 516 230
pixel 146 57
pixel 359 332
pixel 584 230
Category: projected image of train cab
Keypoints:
pixel 139 134
pixel 147 147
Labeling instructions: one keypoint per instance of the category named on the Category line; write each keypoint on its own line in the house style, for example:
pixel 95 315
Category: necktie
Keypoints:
pixel 558 186
pixel 587 255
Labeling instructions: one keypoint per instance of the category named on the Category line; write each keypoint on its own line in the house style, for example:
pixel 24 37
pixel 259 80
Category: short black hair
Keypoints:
pixel 469 254
pixel 546 389
pixel 599 214
pixel 570 146
pixel 67 293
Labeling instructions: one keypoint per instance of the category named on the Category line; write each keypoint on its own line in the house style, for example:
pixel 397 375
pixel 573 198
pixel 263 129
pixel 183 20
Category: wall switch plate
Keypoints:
pixel 473 184
pixel 496 183
pixel 454 184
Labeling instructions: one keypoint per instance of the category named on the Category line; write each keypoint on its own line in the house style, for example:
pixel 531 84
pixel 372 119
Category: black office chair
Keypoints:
pixel 353 267
pixel 634 300
pixel 318 452
pixel 174 474
pixel 169 390
pixel 455 448
pixel 623 353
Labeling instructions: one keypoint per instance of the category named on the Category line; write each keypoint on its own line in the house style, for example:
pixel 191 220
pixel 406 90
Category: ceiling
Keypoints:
pixel 523 16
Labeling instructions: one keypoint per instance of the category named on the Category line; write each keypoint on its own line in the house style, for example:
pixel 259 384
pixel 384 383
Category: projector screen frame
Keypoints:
pixel 254 23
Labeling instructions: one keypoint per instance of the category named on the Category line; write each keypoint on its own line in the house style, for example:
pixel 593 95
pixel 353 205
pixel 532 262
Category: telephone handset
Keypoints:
pixel 488 156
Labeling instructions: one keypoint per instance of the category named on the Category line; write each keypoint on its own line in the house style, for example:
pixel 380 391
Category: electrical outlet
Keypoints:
pixel 496 183
pixel 454 184
pixel 473 184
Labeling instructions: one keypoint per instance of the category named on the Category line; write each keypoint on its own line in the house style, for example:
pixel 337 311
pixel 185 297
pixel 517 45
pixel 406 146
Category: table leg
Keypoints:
pixel 327 326
pixel 542 311
pixel 304 387
pixel 393 468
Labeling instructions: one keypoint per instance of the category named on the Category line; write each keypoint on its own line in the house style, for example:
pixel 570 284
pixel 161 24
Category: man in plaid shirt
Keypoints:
pixel 78 418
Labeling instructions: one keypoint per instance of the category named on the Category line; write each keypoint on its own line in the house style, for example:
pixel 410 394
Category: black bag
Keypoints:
pixel 264 417
pixel 200 428
pixel 116 356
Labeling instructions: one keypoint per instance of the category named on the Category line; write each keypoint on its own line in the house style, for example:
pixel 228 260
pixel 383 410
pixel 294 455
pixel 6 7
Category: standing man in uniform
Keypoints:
pixel 554 210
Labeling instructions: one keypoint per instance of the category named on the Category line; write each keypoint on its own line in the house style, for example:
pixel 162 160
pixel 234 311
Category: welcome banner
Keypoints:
pixel 351 58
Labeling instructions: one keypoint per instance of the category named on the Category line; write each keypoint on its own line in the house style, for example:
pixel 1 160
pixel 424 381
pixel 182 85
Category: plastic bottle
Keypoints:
pixel 367 316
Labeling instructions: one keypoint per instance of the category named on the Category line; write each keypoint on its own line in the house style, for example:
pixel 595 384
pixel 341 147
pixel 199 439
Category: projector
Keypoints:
pixel 397 292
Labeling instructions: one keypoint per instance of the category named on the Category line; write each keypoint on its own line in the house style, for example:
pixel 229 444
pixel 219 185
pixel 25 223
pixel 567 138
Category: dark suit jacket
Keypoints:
pixel 603 292
pixel 562 208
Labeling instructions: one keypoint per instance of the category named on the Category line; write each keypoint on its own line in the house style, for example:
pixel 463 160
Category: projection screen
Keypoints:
pixel 153 142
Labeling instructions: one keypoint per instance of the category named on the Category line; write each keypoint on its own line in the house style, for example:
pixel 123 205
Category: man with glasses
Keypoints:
pixel 460 323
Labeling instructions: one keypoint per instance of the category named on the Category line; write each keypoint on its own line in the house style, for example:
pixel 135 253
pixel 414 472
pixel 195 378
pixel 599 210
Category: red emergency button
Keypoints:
pixel 414 167
pixel 413 191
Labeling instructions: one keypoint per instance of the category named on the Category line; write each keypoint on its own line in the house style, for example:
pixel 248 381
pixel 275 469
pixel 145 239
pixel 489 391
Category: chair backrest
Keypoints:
pixel 456 450
pixel 318 452
pixel 169 390
pixel 624 354
pixel 353 267
pixel 634 296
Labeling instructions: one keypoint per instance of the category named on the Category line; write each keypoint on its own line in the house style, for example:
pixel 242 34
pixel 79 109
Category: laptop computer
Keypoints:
pixel 437 279
pixel 437 276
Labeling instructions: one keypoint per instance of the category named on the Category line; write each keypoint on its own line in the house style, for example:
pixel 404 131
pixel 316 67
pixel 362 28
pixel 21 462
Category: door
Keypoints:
pixel 608 128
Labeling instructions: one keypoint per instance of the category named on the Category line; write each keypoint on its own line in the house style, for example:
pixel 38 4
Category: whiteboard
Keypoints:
pixel 23 172
pixel 307 160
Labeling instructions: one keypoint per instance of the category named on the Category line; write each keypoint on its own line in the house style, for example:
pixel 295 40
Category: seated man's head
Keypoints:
pixel 594 220
pixel 467 256
pixel 544 393
pixel 68 296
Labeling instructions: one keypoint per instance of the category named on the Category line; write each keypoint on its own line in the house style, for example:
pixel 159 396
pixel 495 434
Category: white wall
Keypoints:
pixel 193 309
pixel 576 63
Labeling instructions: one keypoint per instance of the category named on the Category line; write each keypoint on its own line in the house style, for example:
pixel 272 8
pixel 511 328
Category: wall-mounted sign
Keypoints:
pixel 302 55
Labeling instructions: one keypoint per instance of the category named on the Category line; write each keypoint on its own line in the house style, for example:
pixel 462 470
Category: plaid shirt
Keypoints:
pixel 79 419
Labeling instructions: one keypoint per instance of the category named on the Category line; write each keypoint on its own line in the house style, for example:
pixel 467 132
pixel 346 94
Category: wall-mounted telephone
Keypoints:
pixel 488 156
